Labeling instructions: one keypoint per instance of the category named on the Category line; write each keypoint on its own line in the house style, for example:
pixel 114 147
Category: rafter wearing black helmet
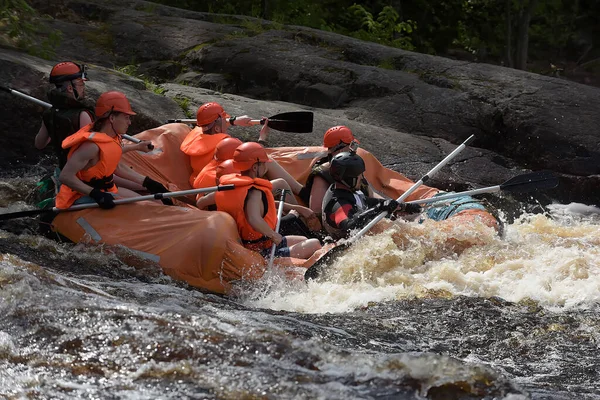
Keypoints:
pixel 345 206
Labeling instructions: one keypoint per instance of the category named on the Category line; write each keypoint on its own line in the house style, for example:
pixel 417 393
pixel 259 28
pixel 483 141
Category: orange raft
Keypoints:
pixel 203 248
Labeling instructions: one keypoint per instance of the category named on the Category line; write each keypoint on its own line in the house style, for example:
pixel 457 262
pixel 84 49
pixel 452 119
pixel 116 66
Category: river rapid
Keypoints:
pixel 415 312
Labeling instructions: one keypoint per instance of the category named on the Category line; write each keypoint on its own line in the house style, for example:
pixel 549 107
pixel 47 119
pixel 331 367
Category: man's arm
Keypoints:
pixel 80 159
pixel 127 173
pixel 84 119
pixel 42 139
pixel 254 210
pixel 206 201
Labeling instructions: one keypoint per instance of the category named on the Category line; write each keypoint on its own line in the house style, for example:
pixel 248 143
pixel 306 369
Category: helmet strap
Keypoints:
pixel 113 127
pixel 350 184
pixel 75 92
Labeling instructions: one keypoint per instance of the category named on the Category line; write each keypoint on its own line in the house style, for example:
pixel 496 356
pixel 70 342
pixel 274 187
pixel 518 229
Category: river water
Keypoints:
pixel 416 312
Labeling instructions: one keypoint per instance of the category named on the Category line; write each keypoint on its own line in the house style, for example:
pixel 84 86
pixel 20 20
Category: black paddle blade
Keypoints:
pixel 295 116
pixel 295 121
pixel 325 261
pixel 529 182
pixel 21 214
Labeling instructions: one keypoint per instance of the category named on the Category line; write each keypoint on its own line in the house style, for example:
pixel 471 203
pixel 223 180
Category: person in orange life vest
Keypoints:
pixel 254 209
pixel 68 113
pixel 212 123
pixel 94 155
pixel 337 139
pixel 223 151
pixel 224 168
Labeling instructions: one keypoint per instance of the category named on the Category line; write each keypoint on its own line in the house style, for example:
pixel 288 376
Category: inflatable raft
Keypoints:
pixel 203 248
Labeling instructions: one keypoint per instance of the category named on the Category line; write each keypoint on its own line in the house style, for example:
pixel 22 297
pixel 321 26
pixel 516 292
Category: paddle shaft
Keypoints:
pixel 193 121
pixel 157 196
pixel 277 225
pixel 521 183
pixel 48 105
pixel 414 187
pixel 491 189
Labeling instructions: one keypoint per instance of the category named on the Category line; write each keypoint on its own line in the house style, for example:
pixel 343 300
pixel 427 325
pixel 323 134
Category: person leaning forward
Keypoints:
pixel 345 207
pixel 212 124
pixel 254 209
pixel 337 139
pixel 94 155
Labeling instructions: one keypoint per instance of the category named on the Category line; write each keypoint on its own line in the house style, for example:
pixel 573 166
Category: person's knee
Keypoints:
pixel 312 245
pixel 280 183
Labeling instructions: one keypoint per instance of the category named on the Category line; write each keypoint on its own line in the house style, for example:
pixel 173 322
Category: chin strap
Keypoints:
pixel 75 92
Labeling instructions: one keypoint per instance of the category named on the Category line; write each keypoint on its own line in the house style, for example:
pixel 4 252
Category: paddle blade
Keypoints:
pixel 325 261
pixel 295 121
pixel 21 214
pixel 295 116
pixel 530 182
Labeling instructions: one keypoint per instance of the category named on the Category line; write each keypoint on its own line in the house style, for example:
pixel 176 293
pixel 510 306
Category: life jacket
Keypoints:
pixel 207 177
pixel 321 169
pixel 233 202
pixel 333 197
pixel 62 120
pixel 200 147
pixel 100 175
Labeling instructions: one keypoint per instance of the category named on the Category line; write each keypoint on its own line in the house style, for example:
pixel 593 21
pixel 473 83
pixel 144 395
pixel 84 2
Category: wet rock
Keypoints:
pixel 523 121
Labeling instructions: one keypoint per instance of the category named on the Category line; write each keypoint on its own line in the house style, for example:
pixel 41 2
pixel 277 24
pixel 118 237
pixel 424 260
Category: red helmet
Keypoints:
pixel 209 112
pixel 248 154
pixel 226 148
pixel 67 71
pixel 112 101
pixel 338 134
pixel 226 168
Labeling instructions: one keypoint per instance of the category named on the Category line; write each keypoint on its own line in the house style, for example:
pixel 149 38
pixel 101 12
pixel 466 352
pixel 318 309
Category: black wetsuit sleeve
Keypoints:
pixel 359 220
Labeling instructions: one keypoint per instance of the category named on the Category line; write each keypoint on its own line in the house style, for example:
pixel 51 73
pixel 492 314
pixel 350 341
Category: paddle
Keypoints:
pixel 279 212
pixel 157 196
pixel 315 270
pixel 295 121
pixel 519 184
pixel 48 105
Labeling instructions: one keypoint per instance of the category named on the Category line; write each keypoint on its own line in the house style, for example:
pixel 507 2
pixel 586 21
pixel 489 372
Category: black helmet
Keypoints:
pixel 346 168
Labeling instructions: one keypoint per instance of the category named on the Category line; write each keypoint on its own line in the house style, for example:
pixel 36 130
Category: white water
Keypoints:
pixel 551 260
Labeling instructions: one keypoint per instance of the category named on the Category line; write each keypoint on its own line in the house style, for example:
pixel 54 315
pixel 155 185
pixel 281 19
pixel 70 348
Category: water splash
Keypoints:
pixel 552 261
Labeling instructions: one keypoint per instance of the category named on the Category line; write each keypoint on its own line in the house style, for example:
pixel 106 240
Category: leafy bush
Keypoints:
pixel 19 27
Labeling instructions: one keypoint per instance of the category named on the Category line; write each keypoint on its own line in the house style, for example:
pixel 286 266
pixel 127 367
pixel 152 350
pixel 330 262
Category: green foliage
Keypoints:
pixel 19 26
pixel 184 104
pixel 132 70
pixel 484 30
pixel 101 38
pixel 387 63
pixel 386 29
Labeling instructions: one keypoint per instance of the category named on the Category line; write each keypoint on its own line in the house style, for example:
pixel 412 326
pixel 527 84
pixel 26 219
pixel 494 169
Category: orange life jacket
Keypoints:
pixel 109 157
pixel 233 203
pixel 207 177
pixel 200 147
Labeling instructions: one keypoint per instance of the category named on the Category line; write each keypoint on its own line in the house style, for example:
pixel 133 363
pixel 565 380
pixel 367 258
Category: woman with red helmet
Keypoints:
pixel 94 157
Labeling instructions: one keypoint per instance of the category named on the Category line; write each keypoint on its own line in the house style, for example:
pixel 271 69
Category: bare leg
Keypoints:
pixel 301 247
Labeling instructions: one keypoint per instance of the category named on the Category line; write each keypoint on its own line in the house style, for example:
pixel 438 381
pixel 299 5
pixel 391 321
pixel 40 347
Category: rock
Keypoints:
pixel 402 105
